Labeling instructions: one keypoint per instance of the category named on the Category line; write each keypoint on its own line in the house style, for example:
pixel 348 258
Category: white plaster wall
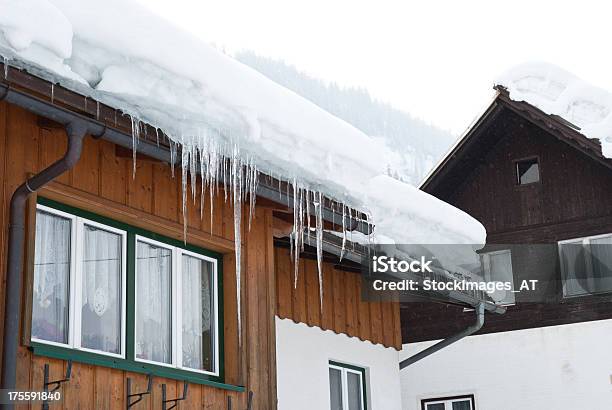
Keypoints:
pixel 566 367
pixel 302 358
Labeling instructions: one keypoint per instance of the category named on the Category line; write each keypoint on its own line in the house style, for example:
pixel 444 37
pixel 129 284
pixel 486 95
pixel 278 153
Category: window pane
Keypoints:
pixel 435 406
pixel 528 171
pixel 101 292
pixel 462 405
pixel 501 271
pixel 354 391
pixel 335 388
pixel 153 301
pixel 601 257
pixel 51 278
pixel 573 266
pixel 198 313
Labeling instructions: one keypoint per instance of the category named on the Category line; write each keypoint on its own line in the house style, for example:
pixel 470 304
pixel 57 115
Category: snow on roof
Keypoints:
pixel 123 55
pixel 556 91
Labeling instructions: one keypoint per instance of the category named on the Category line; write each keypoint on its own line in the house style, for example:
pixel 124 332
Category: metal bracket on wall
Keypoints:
pixel 139 395
pixel 249 401
pixel 173 401
pixel 56 383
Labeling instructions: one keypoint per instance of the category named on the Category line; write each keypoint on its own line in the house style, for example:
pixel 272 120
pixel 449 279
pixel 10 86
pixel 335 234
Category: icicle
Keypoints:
pixel 52 92
pixel 5 60
pixel 185 176
pixel 193 162
pixel 343 231
pixel 308 212
pixel 301 218
pixel 173 148
pixel 135 139
pixel 237 194
pixel 297 246
pixel 319 222
pixel 252 183
pixel 97 110
pixel 157 135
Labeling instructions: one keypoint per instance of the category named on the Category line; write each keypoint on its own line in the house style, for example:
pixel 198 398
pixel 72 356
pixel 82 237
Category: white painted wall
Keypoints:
pixel 566 367
pixel 302 357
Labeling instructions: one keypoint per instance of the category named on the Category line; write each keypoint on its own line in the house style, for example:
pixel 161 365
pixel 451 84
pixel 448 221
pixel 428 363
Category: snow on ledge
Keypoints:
pixel 556 91
pixel 123 55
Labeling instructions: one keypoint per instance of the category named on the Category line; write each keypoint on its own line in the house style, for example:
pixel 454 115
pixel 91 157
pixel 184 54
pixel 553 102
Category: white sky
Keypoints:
pixel 434 59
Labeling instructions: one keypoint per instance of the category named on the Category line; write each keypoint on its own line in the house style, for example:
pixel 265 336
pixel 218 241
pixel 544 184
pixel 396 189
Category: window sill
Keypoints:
pixel 40 349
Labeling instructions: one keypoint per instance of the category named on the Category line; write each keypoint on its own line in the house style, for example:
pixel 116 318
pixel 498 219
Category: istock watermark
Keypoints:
pixel 504 274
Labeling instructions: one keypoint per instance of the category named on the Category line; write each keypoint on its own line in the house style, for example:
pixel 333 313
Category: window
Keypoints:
pixel 94 276
pixel 79 283
pixel 449 403
pixel 347 388
pixel 527 171
pixel 180 334
pixel 586 265
pixel 497 267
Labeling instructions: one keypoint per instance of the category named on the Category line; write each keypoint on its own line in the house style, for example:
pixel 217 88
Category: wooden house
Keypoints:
pixel 114 332
pixel 542 189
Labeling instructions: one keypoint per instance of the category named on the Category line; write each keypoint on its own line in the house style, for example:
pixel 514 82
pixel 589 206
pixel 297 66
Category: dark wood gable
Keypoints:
pixel 573 198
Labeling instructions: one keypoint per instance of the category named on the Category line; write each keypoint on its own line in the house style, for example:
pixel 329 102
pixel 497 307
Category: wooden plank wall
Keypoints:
pixel 343 310
pixel 102 182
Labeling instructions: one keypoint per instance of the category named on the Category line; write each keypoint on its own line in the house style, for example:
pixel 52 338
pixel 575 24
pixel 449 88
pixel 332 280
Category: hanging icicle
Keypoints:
pixel 5 61
pixel 319 226
pixel 236 175
pixel 135 140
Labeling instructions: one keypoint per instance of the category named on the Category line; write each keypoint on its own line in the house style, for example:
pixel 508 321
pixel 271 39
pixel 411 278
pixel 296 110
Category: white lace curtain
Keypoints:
pixel 196 313
pixel 51 278
pixel 101 293
pixel 153 296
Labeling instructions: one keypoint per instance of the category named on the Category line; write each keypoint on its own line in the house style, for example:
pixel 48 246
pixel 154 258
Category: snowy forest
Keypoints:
pixel 419 143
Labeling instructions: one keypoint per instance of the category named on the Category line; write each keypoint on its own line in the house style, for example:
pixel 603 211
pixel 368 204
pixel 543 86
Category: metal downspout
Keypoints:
pixel 76 132
pixel 480 318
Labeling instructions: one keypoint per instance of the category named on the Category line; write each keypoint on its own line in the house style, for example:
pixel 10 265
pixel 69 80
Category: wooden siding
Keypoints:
pixel 343 310
pixel 571 200
pixel 102 183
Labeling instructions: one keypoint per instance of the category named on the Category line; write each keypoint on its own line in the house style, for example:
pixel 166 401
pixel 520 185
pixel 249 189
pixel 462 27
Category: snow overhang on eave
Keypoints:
pixel 356 252
pixel 154 144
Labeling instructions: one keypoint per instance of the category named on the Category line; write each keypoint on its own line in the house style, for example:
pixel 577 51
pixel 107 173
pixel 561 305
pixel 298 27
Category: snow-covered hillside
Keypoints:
pixel 418 144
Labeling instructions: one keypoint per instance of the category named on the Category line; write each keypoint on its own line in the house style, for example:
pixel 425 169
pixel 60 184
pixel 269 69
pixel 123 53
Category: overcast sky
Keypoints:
pixel 434 59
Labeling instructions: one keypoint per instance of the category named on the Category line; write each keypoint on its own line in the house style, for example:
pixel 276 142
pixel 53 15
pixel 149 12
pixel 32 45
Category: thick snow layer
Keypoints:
pixel 556 91
pixel 120 53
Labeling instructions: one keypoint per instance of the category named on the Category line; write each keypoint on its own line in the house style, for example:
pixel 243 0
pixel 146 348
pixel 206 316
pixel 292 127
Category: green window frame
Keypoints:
pixel 345 369
pixel 127 360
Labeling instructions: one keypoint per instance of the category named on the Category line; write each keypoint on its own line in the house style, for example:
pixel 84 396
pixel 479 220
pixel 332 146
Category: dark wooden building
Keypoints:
pixel 543 191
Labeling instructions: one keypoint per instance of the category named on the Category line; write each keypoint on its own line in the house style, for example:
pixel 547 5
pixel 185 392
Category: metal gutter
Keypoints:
pixel 76 129
pixel 480 318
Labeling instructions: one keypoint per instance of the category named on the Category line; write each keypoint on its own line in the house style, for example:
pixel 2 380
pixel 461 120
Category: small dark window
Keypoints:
pixel 527 171
pixel 449 403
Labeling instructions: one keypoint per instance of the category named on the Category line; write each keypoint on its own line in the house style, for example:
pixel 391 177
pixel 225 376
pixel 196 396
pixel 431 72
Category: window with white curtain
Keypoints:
pixel 346 387
pixel 176 315
pixel 78 295
pixel 586 265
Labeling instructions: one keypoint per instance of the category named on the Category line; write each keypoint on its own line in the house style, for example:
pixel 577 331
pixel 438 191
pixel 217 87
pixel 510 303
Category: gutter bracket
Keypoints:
pixel 480 318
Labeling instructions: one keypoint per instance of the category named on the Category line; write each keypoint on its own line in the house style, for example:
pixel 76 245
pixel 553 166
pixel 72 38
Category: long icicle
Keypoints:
pixel 237 195
pixel 185 176
pixel 319 226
